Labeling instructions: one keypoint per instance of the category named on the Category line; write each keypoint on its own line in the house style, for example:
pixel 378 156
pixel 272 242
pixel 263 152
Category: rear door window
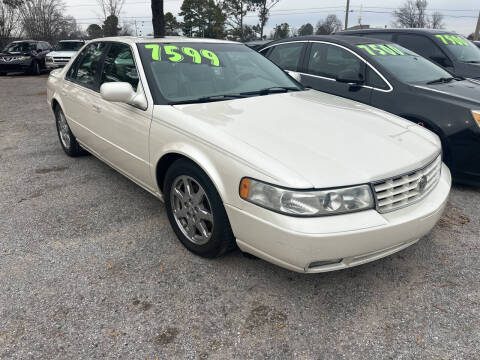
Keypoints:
pixel 287 56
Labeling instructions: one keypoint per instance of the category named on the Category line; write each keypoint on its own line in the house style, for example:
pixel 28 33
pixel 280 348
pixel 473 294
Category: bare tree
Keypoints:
pixel 42 19
pixel 436 21
pixel 413 14
pixel 329 25
pixel 9 15
pixel 111 7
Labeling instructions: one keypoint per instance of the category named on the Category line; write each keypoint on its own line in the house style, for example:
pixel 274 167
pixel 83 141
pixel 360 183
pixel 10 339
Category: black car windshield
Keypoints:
pixel 202 72
pixel 403 64
pixel 69 46
pixel 459 47
pixel 18 47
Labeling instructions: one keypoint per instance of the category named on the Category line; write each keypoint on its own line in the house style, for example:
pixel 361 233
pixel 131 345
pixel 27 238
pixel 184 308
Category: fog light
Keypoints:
pixel 324 262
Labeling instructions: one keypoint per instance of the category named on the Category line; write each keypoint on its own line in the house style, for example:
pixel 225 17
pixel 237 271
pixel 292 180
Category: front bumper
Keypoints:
pixel 351 239
pixel 55 65
pixel 465 156
pixel 52 66
pixel 15 67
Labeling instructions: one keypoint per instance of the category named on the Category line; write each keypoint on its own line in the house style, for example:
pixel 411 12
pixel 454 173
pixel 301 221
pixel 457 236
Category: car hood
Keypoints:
pixel 465 90
pixel 62 53
pixel 328 140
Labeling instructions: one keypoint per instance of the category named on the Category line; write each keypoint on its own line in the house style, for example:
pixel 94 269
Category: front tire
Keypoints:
pixel 67 139
pixel 35 70
pixel 195 210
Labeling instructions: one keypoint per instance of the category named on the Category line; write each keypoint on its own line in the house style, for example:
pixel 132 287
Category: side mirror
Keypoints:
pixel 124 93
pixel 350 76
pixel 294 75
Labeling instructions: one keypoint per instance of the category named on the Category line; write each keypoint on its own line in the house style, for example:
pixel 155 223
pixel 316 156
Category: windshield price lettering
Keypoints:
pixel 175 54
pixel 453 40
pixel 376 49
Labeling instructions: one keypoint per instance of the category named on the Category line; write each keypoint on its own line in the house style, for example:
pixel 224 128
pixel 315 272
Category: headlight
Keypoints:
pixel 307 203
pixel 476 116
pixel 49 59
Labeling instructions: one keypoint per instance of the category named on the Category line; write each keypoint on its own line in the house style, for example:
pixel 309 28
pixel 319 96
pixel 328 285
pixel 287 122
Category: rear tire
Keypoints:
pixel 197 215
pixel 67 139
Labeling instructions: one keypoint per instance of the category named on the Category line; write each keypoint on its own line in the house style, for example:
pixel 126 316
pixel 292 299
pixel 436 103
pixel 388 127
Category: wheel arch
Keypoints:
pixel 199 158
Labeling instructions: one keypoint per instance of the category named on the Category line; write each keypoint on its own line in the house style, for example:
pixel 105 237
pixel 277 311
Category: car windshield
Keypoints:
pixel 404 64
pixel 462 49
pixel 69 46
pixel 201 72
pixel 18 47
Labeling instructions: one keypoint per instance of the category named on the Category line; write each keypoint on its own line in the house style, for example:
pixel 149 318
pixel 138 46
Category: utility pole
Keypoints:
pixel 346 14
pixel 477 30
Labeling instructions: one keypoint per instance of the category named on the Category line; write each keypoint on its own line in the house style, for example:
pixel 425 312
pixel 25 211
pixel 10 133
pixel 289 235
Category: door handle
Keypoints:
pixel 96 108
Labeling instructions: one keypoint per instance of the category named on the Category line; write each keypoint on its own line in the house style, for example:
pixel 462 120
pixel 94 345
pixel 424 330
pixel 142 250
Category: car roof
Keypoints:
pixel 26 41
pixel 257 42
pixel 337 39
pixel 166 39
pixel 408 30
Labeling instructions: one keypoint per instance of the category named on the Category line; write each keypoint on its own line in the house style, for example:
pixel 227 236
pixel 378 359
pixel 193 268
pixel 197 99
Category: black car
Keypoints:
pixel 395 79
pixel 26 56
pixel 257 44
pixel 451 51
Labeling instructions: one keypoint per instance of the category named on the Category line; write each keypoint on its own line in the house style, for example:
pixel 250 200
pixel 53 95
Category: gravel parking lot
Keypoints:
pixel 91 269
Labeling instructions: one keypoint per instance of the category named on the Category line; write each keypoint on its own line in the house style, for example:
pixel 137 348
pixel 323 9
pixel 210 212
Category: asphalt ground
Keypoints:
pixel 90 269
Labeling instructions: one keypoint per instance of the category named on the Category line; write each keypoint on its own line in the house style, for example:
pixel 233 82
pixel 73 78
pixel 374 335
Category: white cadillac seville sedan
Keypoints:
pixel 242 154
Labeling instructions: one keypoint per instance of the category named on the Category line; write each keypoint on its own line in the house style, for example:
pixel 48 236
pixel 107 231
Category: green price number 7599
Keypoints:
pixel 175 54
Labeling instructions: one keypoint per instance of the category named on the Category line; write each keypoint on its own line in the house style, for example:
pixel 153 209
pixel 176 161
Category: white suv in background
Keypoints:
pixel 62 53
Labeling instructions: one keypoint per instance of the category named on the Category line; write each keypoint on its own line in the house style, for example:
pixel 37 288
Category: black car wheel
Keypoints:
pixel 195 210
pixel 3 73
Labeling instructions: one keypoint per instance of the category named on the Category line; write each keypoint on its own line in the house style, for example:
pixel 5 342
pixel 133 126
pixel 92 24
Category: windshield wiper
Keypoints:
pixel 442 80
pixel 472 62
pixel 212 98
pixel 271 90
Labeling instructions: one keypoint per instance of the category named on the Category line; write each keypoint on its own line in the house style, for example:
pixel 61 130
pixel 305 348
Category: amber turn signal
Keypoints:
pixel 476 116
pixel 244 188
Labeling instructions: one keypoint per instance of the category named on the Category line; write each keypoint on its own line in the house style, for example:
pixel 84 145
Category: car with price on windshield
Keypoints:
pixel 449 50
pixel 243 155
pixel 395 79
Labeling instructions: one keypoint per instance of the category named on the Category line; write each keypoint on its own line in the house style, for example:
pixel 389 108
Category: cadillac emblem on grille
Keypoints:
pixel 422 184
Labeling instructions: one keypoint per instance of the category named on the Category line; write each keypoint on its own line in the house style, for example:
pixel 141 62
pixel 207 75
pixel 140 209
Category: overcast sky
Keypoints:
pixel 460 15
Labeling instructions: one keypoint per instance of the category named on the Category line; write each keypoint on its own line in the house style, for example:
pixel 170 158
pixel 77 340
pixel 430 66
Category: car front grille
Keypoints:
pixel 62 60
pixel 404 190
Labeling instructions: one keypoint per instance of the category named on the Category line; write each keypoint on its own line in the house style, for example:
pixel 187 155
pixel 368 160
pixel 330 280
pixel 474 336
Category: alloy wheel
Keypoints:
pixel 191 209
pixel 63 130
